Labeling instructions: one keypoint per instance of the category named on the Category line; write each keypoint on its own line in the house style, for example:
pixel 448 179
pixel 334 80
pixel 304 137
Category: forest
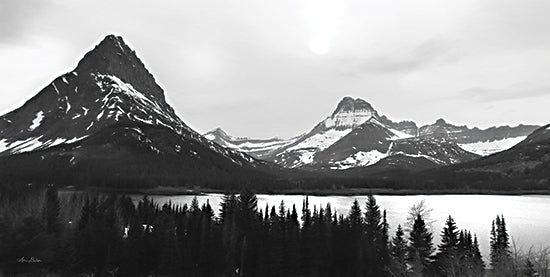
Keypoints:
pixel 44 232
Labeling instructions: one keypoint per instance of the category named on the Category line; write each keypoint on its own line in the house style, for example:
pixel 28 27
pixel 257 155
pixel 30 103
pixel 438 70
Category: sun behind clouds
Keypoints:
pixel 319 45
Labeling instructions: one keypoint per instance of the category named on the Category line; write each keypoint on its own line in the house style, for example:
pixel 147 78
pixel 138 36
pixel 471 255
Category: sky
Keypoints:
pixel 276 68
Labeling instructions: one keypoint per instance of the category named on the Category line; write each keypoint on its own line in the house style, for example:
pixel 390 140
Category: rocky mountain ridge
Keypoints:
pixel 356 135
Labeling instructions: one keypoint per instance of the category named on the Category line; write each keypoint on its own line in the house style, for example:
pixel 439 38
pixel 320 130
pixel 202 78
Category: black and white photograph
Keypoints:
pixel 287 138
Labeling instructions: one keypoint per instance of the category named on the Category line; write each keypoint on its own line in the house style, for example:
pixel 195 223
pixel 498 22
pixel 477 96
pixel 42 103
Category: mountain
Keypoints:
pixel 523 166
pixel 482 142
pixel 108 117
pixel 373 142
pixel 258 148
pixel 349 115
pixel 528 155
pixel 356 135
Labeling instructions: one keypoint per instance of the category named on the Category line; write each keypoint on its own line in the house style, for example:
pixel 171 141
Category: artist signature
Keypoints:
pixel 29 260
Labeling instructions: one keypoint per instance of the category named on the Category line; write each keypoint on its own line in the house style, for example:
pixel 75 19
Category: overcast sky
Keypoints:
pixel 276 68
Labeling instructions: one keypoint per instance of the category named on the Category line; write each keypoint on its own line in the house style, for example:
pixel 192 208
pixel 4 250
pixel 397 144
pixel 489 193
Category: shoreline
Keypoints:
pixel 175 191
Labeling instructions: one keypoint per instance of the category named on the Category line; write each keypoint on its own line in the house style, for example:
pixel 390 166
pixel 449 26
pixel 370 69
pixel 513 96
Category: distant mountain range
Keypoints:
pixel 525 165
pixel 356 135
pixel 107 123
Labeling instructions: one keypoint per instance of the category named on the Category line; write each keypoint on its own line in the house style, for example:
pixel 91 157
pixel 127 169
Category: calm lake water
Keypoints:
pixel 527 217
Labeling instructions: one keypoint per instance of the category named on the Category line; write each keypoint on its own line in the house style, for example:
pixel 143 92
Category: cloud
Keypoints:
pixel 430 52
pixel 17 17
pixel 253 56
pixel 480 94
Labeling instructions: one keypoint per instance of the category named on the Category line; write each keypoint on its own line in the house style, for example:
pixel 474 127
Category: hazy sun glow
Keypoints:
pixel 319 46
pixel 322 16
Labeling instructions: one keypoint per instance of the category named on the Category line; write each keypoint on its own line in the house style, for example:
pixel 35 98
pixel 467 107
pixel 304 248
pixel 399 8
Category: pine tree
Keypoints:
pixel 169 252
pixel 478 265
pixel 374 261
pixel 503 238
pixel 500 247
pixel 50 212
pixel 420 248
pixel 398 252
pixel 249 224
pixel 448 258
pixel 53 229
pixel 356 243
pixel 355 217
pixel 306 239
pixel 385 243
pixel 293 252
pixel 228 207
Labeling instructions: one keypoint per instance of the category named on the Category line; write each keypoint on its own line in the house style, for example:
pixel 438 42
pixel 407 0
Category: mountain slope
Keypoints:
pixel 524 166
pixel 363 146
pixel 524 157
pixel 482 142
pixel 110 104
pixel 373 142
pixel 349 114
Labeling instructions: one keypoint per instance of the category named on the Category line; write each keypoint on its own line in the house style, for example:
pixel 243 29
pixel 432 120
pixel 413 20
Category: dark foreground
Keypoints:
pixel 43 233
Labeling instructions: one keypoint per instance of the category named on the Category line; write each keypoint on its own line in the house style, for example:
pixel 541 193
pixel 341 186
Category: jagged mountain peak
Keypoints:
pixel 350 105
pixel 109 85
pixel 110 111
pixel 440 122
pixel 219 130
pixel 355 134
pixel 349 113
pixel 112 56
pixel 218 133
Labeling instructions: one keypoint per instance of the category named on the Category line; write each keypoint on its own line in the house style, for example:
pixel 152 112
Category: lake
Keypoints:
pixel 527 216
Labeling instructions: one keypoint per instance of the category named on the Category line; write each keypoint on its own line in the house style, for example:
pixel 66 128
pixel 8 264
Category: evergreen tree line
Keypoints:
pixel 112 236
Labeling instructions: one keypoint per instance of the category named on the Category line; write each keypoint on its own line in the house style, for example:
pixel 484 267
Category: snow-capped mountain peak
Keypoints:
pixel 110 84
pixel 356 135
pixel 112 56
pixel 109 87
pixel 350 113
pixel 350 105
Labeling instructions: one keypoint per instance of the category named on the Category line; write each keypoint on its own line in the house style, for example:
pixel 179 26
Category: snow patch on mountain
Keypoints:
pixel 399 134
pixel 321 140
pixel 55 87
pixel 37 120
pixel 431 158
pixel 304 157
pixel 115 90
pixel 25 145
pixel 34 143
pixel 3 145
pixel 68 107
pixel 259 146
pixel 485 148
pixel 348 119
pixel 360 158
pixel 210 136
